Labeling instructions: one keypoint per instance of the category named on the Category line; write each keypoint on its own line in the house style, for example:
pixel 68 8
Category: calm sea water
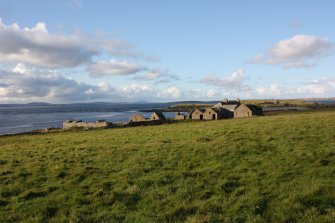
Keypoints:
pixel 16 119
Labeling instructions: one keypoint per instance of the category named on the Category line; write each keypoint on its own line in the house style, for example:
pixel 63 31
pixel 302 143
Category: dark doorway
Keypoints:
pixel 201 117
pixel 213 116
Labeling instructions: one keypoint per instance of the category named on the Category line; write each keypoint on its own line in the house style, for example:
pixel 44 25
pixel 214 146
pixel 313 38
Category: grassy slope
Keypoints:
pixel 267 169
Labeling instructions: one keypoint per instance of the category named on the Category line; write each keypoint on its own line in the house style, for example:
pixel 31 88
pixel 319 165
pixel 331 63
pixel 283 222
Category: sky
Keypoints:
pixel 70 51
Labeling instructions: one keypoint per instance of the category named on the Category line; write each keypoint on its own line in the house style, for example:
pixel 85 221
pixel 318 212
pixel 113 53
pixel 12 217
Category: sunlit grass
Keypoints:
pixel 266 169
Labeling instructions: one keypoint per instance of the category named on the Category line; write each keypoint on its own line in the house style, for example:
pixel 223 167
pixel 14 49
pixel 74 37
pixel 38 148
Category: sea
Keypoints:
pixel 29 117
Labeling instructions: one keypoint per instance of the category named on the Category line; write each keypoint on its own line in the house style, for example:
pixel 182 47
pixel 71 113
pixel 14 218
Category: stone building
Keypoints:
pixel 189 115
pixel 229 106
pixel 216 113
pixel 137 118
pixel 70 124
pixel 198 114
pixel 244 111
pixel 157 116
pixel 180 116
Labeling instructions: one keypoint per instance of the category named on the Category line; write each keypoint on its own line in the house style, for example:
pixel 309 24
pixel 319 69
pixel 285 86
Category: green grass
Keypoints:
pixel 298 102
pixel 277 168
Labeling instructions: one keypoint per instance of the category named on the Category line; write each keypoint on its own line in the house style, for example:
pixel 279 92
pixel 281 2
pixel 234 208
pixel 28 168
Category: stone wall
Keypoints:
pixel 146 122
pixel 86 125
pixel 180 117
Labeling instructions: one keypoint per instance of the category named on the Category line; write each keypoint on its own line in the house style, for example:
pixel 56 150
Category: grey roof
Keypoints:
pixel 201 109
pixel 254 108
pixel 221 110
pixel 230 107
pixel 141 114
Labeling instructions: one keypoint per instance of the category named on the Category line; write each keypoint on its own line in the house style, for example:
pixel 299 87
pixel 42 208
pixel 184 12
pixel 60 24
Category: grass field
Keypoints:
pixel 278 168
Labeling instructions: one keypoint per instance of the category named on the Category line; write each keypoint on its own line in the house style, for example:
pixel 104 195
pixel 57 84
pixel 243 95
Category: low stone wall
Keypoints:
pixel 146 122
pixel 180 117
pixel 86 125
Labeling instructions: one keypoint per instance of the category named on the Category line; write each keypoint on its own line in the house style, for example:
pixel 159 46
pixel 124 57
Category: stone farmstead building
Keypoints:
pixel 157 116
pixel 216 113
pixel 244 111
pixel 197 114
pixel 137 118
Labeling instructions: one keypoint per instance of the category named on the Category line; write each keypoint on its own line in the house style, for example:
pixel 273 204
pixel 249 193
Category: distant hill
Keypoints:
pixel 39 104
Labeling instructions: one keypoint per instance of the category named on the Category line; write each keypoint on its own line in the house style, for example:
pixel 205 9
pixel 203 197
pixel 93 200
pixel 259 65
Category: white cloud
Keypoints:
pixel 30 84
pixel 38 47
pixel 124 49
pixel 273 90
pixel 3 91
pixel 21 68
pixel 114 68
pixel 324 87
pixel 211 93
pixel 174 92
pixel 106 87
pixel 232 81
pixel 298 51
pixel 158 75
pixel 135 89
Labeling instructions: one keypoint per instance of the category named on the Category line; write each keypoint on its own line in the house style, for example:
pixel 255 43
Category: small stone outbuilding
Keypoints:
pixel 137 118
pixel 198 114
pixel 216 113
pixel 157 116
pixel 244 111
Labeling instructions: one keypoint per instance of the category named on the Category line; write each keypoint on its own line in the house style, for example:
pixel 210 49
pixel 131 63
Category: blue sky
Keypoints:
pixel 80 51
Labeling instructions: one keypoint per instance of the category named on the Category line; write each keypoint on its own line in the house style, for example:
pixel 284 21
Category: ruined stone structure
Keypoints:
pixel 70 124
